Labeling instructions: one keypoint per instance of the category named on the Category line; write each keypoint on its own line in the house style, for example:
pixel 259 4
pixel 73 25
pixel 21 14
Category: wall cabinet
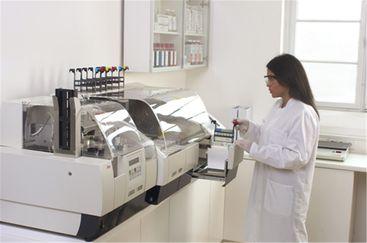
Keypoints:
pixel 165 35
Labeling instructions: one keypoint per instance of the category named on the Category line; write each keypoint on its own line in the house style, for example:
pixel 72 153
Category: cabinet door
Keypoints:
pixel 330 211
pixel 189 212
pixel 167 35
pixel 137 35
pixel 153 35
pixel 196 33
pixel 155 224
pixel 128 231
pixel 235 202
pixel 216 211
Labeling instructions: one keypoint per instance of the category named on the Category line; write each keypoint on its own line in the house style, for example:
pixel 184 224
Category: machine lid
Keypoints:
pixel 107 125
pixel 176 117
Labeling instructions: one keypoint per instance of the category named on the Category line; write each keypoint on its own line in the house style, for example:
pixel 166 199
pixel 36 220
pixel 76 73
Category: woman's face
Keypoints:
pixel 275 89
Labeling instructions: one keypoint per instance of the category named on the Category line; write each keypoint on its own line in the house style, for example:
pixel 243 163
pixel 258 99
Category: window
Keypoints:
pixel 329 38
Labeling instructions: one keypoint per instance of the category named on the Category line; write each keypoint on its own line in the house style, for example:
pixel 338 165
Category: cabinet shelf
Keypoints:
pixel 193 66
pixel 194 34
pixel 166 69
pixel 166 33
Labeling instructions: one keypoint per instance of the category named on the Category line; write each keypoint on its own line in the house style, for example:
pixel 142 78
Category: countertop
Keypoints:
pixel 354 162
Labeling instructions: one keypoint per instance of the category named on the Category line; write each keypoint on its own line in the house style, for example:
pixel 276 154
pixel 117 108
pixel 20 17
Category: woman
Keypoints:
pixel 284 148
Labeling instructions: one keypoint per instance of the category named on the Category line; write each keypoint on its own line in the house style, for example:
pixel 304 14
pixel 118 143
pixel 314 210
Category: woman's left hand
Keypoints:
pixel 244 143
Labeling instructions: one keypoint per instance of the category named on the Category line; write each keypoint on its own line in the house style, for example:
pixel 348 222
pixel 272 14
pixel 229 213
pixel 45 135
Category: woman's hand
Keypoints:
pixel 241 124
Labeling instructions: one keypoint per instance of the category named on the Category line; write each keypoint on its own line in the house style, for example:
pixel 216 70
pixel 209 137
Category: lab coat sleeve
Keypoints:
pixel 253 132
pixel 291 152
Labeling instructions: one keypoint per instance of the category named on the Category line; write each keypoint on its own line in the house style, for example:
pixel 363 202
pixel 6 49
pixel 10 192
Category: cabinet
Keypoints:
pixel 196 212
pixel 330 214
pixel 165 35
pixel 129 231
pixel 193 214
pixel 196 23
pixel 331 205
pixel 235 202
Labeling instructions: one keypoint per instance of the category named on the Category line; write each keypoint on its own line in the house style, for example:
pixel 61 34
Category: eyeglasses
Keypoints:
pixel 269 79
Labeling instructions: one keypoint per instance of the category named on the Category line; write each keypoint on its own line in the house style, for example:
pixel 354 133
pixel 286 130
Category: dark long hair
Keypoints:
pixel 290 73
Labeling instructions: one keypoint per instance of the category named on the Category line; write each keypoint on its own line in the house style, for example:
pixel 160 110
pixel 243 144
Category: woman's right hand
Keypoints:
pixel 241 124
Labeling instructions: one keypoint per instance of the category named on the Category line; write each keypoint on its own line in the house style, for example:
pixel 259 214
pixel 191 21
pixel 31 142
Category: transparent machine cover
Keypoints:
pixel 38 118
pixel 171 117
pixel 108 131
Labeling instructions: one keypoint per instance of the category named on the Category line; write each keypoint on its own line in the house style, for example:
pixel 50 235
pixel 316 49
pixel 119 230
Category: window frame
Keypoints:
pixel 289 25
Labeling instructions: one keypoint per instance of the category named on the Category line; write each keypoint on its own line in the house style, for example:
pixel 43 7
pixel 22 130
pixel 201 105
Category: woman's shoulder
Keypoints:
pixel 302 109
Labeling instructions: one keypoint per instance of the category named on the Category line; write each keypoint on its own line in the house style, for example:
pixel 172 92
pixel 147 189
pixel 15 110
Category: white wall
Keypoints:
pixel 41 40
pixel 244 36
pixel 164 79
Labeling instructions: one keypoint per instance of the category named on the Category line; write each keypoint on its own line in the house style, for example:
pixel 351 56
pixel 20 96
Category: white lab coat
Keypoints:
pixel 284 148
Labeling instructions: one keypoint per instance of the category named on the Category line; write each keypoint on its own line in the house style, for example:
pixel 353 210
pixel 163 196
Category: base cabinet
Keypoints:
pixel 331 205
pixel 196 213
pixel 235 202
pixel 155 224
pixel 189 213
pixel 330 213
pixel 193 214
pixel 129 231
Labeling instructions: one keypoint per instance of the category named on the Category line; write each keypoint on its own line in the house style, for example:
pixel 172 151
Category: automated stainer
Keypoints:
pixel 80 166
pixel 181 128
pixel 76 168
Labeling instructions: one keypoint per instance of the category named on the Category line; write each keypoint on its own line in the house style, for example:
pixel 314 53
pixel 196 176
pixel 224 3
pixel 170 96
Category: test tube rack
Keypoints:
pixel 99 79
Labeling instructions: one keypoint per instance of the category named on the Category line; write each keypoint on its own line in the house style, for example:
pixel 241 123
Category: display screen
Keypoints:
pixel 134 161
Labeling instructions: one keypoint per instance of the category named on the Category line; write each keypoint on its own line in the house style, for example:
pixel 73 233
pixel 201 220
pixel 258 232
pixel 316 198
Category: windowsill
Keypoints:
pixel 340 109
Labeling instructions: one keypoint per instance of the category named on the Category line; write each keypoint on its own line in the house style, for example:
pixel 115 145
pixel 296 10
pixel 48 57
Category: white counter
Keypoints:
pixel 354 162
